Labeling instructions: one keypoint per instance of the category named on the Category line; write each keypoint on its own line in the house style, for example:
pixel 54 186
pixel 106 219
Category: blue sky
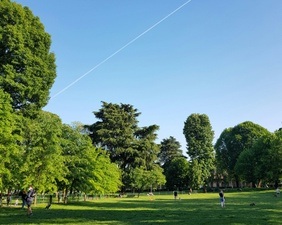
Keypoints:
pixel 222 58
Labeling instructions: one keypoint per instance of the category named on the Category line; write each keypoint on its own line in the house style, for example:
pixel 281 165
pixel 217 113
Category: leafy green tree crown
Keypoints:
pixel 27 68
pixel 199 136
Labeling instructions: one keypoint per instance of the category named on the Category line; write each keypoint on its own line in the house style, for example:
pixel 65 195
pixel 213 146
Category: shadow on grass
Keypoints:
pixel 160 211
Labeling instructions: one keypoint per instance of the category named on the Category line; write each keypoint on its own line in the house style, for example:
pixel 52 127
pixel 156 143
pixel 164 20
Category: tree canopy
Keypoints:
pixel 41 155
pixel 233 141
pixel 88 169
pixel 7 139
pixel 177 174
pixel 170 148
pixel 262 162
pixel 199 136
pixel 27 67
pixel 128 145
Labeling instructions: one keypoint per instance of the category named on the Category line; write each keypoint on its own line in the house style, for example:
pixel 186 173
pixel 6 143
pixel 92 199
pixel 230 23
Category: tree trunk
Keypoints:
pixel 259 183
pixel 65 196
pixel 237 181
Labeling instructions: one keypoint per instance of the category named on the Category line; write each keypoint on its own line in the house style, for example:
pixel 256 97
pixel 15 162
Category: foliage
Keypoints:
pixel 232 142
pixel 115 132
pixel 177 174
pixel 262 162
pixel 169 149
pixel 276 160
pixel 42 161
pixel 246 165
pixel 107 175
pixel 7 143
pixel 27 68
pixel 199 136
pixel 147 149
pixel 142 179
pixel 129 146
pixel 195 175
pixel 88 169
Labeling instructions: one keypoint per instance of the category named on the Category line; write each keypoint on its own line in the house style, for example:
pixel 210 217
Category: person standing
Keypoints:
pixel 50 202
pixel 221 199
pixel 175 194
pixel 29 199
pixel 9 197
pixel 23 196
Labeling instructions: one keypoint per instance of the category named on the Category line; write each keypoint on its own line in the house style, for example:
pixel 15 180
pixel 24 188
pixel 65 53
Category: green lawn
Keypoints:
pixel 195 209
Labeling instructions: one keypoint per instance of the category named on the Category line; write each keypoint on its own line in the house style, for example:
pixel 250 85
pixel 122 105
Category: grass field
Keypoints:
pixel 195 209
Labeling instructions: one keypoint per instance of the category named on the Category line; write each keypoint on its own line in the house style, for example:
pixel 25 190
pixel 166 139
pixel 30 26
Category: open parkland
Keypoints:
pixel 252 207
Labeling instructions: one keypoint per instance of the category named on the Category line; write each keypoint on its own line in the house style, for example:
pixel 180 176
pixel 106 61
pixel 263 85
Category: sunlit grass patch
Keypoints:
pixel 198 208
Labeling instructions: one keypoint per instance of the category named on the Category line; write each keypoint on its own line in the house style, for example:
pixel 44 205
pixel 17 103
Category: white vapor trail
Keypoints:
pixel 123 47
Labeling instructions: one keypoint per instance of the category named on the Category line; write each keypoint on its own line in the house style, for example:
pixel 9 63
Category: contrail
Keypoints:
pixel 123 47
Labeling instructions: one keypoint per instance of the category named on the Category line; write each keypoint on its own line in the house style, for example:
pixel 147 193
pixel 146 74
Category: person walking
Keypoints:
pixel 222 199
pixel 29 199
pixel 9 197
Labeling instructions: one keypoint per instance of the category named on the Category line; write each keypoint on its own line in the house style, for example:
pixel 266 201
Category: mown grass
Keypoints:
pixel 198 209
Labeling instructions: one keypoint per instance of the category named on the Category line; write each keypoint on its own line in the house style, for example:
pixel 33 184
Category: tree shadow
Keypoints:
pixel 153 212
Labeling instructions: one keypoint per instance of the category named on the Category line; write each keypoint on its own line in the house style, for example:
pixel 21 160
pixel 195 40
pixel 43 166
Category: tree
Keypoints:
pixel 88 168
pixel 246 166
pixel 232 142
pixel 146 148
pixel 222 165
pixel 262 162
pixel 7 140
pixel 142 178
pixel 27 67
pixel 146 172
pixel 107 176
pixel 276 160
pixel 195 174
pixel 177 173
pixel 41 161
pixel 115 132
pixel 199 136
pixel 169 149
pixel 128 145
pixel 173 163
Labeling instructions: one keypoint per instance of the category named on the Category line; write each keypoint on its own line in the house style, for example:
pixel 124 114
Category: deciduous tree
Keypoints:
pixel 233 141
pixel 41 157
pixel 27 67
pixel 263 161
pixel 199 136
pixel 177 173
pixel 7 140
pixel 88 168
